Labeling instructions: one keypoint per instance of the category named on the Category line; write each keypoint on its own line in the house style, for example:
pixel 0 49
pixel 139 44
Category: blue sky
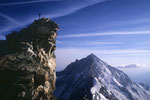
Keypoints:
pixel 117 31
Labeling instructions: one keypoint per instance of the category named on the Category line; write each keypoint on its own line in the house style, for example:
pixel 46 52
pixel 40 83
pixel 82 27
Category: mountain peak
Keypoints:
pixel 90 77
pixel 85 65
pixel 92 56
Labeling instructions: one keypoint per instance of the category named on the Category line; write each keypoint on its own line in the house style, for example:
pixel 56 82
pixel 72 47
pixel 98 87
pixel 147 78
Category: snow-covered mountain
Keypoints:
pixel 92 79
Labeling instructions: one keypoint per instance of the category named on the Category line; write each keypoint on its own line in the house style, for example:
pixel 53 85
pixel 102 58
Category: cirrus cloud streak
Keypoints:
pixel 26 2
pixel 104 34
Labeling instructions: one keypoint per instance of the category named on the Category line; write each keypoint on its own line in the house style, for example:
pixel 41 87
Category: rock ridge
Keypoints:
pixel 27 62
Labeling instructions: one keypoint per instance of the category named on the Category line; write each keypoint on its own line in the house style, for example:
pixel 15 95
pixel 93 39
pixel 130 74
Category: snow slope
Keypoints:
pixel 92 79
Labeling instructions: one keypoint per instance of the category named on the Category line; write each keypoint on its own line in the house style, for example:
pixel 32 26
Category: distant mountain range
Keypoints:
pixel 129 66
pixel 92 79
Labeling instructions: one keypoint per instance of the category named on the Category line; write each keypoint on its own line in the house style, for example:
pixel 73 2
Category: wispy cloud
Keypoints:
pixel 138 54
pixel 59 42
pixel 103 43
pixel 9 18
pixel 104 33
pixel 11 23
pixel 26 2
pixel 63 12
pixel 72 8
pixel 106 52
pixel 88 43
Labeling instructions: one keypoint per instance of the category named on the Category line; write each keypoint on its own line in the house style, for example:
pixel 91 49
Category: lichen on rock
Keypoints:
pixel 27 62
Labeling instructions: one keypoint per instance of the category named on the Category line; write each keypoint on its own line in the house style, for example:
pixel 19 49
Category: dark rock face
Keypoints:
pixel 27 62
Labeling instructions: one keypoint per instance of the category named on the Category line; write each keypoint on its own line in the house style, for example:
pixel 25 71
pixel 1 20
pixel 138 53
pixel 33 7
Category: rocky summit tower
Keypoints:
pixel 27 62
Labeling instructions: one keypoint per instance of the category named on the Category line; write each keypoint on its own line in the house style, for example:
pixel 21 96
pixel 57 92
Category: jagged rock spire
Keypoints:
pixel 27 67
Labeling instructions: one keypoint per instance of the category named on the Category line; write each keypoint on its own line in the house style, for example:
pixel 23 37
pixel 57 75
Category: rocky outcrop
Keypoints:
pixel 27 62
